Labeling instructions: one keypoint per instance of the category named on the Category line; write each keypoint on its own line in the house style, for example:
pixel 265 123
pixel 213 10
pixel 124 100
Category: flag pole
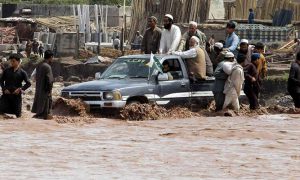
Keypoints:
pixel 149 70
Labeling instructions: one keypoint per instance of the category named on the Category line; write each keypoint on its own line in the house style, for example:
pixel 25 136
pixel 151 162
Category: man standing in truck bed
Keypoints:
pixel 151 39
pixel 170 36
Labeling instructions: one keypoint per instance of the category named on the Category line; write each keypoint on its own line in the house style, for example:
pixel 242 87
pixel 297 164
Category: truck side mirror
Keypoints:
pixel 98 75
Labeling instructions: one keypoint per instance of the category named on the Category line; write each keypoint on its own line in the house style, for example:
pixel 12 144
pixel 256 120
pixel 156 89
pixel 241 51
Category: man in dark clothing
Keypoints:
pixel 44 82
pixel 252 86
pixel 251 17
pixel 11 83
pixel 28 48
pixel 35 46
pixel 151 39
pixel 294 81
pixel 41 50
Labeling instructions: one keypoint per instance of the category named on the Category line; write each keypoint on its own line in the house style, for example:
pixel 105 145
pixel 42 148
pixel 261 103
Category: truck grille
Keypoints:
pixel 86 96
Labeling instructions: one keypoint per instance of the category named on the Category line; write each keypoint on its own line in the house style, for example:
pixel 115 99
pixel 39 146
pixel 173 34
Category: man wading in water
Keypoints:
pixel 44 82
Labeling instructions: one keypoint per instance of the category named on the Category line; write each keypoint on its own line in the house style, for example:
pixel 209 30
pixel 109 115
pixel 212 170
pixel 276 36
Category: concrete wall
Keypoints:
pixel 66 43
pixel 219 33
pixel 216 10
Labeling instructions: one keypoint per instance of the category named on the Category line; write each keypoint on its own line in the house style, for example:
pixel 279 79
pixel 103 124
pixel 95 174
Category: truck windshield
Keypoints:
pixel 128 68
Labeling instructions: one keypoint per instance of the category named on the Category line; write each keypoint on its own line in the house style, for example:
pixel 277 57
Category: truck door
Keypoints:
pixel 176 87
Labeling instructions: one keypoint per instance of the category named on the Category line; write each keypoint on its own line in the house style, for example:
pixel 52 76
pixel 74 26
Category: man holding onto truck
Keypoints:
pixel 221 78
pixel 234 83
pixel 195 59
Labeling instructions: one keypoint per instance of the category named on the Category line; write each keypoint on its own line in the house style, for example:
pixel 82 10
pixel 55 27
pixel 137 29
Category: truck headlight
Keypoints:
pixel 114 95
pixel 108 96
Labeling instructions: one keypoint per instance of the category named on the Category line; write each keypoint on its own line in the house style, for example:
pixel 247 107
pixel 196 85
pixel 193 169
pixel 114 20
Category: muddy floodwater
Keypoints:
pixel 263 147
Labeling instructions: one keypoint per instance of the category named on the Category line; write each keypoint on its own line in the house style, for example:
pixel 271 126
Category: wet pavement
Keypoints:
pixel 262 147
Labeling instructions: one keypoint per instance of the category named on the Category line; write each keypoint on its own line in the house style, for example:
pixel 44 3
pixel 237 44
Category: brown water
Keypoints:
pixel 263 147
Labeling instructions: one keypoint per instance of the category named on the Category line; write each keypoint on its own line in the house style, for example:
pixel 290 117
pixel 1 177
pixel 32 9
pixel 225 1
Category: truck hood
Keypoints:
pixel 106 85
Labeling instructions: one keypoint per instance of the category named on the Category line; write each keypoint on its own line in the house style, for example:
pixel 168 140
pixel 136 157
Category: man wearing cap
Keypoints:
pixel 252 87
pixel 193 31
pixel 137 41
pixel 195 59
pixel 170 36
pixel 220 80
pixel 217 54
pixel 151 39
pixel 234 83
pixel 232 40
pixel 246 49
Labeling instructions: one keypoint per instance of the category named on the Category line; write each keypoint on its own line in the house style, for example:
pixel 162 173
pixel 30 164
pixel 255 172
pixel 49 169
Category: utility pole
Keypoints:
pixel 99 39
pixel 77 43
pixel 123 28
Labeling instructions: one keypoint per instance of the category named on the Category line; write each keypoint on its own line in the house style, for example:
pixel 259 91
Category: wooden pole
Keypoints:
pixel 99 39
pixel 77 43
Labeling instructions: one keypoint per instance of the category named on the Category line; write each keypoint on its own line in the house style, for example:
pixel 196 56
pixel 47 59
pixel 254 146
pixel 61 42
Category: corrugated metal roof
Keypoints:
pixel 17 19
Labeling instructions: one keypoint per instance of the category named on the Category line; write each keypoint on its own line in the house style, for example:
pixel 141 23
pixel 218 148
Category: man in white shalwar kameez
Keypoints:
pixel 170 36
pixel 234 82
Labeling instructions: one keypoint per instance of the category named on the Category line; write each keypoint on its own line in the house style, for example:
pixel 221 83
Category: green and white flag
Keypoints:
pixel 154 63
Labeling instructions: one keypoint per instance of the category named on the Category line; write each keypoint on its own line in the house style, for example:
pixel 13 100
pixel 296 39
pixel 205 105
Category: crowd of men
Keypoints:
pixel 35 47
pixel 236 64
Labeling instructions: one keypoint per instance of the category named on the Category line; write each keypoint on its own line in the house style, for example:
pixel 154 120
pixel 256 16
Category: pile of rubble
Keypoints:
pixel 114 53
pixel 140 112
pixel 71 111
pixel 70 107
pixel 84 54
pixel 7 35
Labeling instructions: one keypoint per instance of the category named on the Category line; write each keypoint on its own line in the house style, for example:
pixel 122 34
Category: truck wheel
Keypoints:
pixel 133 102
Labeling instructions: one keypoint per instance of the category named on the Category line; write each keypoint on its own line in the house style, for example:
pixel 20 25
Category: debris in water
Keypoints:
pixel 70 107
pixel 74 120
pixel 139 112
